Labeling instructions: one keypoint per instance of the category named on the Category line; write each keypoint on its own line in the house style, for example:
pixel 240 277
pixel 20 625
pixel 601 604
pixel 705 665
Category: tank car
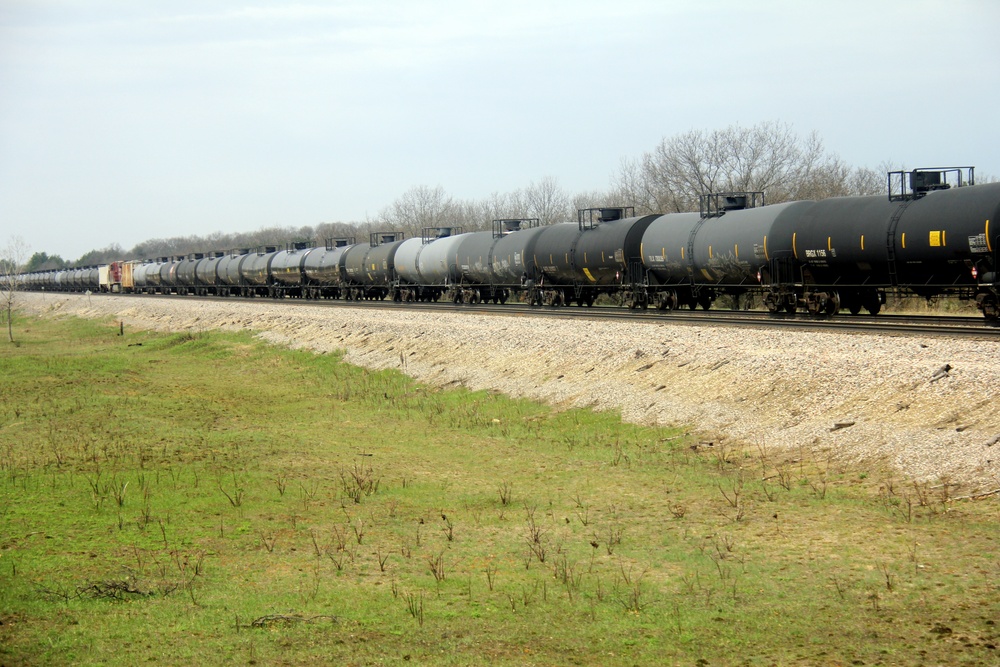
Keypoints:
pixel 288 276
pixel 206 273
pixel 187 281
pixel 168 274
pixel 693 258
pixel 482 272
pixel 929 237
pixel 576 262
pixel 426 266
pixel 369 269
pixel 323 268
pixel 255 271
pixel 228 270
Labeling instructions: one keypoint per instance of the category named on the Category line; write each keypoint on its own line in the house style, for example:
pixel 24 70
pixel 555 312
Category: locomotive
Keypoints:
pixel 935 234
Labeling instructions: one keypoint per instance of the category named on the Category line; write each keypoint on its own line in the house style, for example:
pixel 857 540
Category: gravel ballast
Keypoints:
pixel 854 397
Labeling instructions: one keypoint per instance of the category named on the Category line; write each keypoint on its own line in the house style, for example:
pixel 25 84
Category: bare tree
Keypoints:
pixel 766 157
pixel 10 278
pixel 417 208
pixel 547 201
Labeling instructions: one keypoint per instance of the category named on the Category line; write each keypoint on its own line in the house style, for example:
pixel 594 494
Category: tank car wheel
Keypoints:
pixel 832 304
pixel 790 308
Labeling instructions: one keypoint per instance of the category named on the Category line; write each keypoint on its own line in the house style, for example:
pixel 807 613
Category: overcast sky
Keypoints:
pixel 126 120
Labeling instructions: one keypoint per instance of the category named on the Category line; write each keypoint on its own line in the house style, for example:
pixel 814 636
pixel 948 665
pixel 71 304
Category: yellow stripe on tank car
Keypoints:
pixel 903 240
pixel 591 278
pixel 989 246
pixel 829 244
pixel 795 252
pixel 710 252
pixel 766 256
pixel 944 237
pixel 736 249
pixel 862 241
pixel 682 252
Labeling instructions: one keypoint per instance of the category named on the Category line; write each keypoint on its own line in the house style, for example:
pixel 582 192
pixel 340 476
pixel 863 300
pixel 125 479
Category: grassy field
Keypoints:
pixel 207 499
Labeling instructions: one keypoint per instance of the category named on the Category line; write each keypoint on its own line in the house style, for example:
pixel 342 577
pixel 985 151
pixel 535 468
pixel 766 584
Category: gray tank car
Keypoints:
pixel 187 273
pixel 426 266
pixel 206 273
pixel 228 270
pixel 288 270
pixel 324 269
pixel 369 268
pixel 255 271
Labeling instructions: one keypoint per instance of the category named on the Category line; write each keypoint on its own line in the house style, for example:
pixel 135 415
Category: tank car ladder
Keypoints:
pixel 890 241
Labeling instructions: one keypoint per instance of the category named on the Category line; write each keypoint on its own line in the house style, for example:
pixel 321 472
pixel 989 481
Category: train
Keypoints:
pixel 936 234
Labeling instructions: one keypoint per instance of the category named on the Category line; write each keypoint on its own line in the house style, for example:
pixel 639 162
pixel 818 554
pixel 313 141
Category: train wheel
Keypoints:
pixel 832 304
pixel 790 308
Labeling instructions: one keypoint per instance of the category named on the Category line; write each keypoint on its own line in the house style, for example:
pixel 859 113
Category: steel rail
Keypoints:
pixel 885 324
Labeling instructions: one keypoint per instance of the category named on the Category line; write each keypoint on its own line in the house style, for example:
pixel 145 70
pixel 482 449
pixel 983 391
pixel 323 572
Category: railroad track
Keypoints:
pixel 886 324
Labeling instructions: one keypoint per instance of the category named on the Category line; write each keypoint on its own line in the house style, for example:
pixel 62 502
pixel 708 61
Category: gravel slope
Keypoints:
pixel 760 388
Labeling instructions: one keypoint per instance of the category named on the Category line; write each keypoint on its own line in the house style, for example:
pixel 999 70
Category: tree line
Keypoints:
pixel 769 157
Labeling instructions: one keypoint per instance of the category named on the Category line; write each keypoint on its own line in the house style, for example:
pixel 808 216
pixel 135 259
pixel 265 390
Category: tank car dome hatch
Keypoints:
pixel 734 202
pixel 504 226
pixel 589 218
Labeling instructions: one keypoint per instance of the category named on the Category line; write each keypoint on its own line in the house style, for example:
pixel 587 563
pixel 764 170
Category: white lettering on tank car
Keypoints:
pixel 978 244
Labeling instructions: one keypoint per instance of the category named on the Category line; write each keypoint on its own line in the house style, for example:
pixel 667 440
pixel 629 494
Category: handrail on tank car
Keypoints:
pixel 429 234
pixel 504 226
pixel 716 204
pixel 927 179
pixel 340 242
pixel 376 239
pixel 590 218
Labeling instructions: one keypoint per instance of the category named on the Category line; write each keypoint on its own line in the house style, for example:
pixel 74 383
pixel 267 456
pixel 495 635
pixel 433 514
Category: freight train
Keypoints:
pixel 935 234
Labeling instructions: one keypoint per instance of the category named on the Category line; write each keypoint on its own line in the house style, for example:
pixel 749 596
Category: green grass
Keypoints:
pixel 205 498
